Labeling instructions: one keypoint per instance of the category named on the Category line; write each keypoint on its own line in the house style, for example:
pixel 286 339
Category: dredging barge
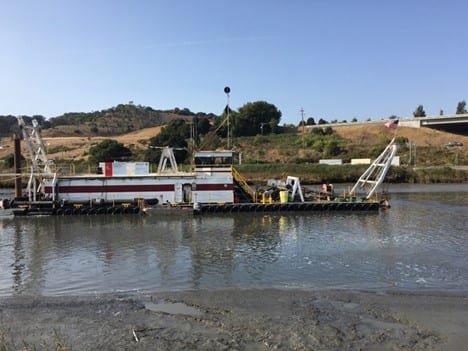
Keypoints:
pixel 213 186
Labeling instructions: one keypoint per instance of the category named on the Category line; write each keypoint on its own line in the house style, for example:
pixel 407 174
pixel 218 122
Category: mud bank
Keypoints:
pixel 262 319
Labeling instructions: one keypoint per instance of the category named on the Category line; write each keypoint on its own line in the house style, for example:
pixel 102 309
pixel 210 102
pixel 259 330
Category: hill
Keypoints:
pixel 357 141
pixel 68 138
pixel 121 119
pixel 419 136
pixel 428 146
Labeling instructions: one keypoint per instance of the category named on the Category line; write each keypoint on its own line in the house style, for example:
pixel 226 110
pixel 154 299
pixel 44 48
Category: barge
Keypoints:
pixel 212 186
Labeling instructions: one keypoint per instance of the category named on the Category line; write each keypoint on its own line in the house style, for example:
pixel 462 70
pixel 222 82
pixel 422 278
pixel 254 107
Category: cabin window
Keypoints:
pixel 213 160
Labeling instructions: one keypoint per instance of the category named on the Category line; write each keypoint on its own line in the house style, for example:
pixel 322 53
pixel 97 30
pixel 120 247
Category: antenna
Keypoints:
pixel 227 90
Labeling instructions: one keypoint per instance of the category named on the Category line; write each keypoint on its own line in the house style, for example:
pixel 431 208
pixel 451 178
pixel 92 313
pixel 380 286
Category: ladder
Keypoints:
pixel 243 183
pixel 373 177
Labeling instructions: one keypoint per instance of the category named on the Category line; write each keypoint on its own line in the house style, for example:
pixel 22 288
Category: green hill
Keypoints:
pixel 123 118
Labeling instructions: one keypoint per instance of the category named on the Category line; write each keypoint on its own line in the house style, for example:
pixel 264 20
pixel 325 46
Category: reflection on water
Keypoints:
pixel 420 243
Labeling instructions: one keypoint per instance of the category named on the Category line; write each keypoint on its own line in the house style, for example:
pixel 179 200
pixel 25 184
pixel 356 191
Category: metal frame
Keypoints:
pixel 373 177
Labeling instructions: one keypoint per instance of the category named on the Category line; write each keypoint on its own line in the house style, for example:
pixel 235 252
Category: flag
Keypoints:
pixel 392 124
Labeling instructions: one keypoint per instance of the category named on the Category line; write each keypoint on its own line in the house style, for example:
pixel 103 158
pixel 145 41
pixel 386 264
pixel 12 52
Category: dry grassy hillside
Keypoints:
pixel 76 147
pixel 420 136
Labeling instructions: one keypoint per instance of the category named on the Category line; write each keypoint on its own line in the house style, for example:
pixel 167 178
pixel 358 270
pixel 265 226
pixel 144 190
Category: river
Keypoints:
pixel 420 243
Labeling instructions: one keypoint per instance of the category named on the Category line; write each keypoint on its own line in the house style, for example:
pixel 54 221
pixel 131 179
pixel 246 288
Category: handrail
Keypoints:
pixel 243 183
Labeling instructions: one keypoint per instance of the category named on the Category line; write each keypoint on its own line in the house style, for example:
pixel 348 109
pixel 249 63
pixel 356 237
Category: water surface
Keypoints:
pixel 421 243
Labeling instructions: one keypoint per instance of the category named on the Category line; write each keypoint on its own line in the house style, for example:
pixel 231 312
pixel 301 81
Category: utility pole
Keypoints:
pixel 192 136
pixel 410 159
pixel 412 154
pixel 414 162
pixel 303 125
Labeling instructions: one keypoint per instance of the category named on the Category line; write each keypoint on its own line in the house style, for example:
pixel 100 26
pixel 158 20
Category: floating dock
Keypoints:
pixel 287 207
pixel 47 208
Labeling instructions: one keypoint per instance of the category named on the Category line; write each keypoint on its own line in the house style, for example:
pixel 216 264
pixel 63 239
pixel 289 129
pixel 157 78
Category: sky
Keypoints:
pixel 335 59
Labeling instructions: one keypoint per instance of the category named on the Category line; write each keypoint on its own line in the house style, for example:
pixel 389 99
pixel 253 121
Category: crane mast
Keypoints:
pixel 40 164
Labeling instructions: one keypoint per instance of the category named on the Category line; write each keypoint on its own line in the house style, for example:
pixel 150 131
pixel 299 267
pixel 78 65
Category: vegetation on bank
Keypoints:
pixel 319 174
pixel 266 149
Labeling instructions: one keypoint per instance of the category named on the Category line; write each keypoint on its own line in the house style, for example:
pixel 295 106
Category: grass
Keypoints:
pixel 318 174
pixel 273 156
pixel 60 343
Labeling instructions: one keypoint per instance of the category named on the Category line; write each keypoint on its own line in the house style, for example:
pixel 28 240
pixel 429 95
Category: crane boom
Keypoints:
pixel 40 164
pixel 373 177
pixel 33 140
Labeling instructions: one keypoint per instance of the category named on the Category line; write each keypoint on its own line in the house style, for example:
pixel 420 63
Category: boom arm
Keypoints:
pixel 373 177
pixel 33 140
pixel 40 167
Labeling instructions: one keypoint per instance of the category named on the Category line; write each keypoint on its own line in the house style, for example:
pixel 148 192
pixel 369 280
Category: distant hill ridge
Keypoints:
pixel 123 118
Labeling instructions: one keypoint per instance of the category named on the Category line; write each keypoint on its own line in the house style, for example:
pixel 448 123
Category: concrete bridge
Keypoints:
pixel 450 123
pixel 457 124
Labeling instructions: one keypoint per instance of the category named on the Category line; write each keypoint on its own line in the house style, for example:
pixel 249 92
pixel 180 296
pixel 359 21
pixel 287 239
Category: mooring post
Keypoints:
pixel 17 164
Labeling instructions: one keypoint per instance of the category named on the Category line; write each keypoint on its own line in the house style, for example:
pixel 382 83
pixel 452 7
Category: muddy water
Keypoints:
pixel 421 243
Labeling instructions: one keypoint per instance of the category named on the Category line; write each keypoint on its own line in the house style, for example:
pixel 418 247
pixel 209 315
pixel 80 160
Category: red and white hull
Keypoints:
pixel 201 186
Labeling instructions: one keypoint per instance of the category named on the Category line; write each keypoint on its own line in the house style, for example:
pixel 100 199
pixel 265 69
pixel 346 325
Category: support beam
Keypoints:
pixel 17 164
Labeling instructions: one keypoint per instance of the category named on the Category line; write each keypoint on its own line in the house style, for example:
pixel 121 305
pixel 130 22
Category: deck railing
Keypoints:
pixel 243 183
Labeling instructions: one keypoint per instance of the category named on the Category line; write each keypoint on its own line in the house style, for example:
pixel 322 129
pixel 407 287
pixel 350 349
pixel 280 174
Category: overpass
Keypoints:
pixel 450 123
pixel 457 124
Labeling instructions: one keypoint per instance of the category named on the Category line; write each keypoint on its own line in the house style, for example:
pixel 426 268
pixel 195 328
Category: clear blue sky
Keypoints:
pixel 338 59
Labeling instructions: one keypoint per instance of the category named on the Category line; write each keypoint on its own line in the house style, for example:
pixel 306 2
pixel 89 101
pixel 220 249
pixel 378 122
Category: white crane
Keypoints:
pixel 373 177
pixel 40 164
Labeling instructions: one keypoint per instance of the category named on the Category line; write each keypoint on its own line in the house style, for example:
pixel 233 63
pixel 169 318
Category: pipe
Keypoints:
pixel 17 164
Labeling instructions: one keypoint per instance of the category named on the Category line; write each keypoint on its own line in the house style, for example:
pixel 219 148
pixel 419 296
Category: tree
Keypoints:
pixel 328 130
pixel 419 112
pixel 109 150
pixel 461 107
pixel 203 125
pixel 310 121
pixel 175 135
pixel 332 148
pixel 250 117
pixel 322 121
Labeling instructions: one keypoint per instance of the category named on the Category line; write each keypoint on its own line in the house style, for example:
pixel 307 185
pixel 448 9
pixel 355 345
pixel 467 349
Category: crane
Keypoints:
pixel 373 177
pixel 40 164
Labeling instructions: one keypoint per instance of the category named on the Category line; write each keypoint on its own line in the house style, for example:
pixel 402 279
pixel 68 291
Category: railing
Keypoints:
pixel 243 183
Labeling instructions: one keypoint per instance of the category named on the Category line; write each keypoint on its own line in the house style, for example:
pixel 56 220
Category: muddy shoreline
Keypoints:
pixel 237 319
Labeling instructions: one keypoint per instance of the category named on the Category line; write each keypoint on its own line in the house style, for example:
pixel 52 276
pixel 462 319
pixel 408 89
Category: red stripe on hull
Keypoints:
pixel 214 187
pixel 110 188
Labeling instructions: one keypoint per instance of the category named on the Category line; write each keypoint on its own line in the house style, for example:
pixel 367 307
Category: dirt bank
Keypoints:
pixel 237 320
